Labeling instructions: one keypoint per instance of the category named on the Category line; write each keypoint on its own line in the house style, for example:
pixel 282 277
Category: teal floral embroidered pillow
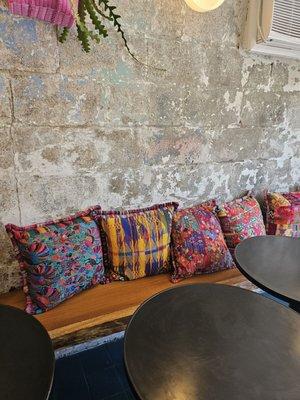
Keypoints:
pixel 58 259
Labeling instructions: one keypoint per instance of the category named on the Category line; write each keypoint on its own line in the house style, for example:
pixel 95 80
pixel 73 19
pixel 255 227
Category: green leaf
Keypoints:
pixel 95 20
pixel 83 36
pixel 82 31
pixel 63 35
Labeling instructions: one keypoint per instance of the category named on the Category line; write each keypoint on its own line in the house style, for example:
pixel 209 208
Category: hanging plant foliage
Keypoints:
pixel 97 12
pixel 88 15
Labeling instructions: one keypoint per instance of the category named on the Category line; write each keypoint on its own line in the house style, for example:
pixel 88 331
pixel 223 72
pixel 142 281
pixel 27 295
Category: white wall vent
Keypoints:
pixel 273 28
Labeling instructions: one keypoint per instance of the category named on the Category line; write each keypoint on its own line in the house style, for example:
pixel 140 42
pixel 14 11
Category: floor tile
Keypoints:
pixel 131 395
pixel 122 396
pixel 104 383
pixel 122 375
pixel 95 374
pixel 69 380
pixel 95 359
pixel 116 351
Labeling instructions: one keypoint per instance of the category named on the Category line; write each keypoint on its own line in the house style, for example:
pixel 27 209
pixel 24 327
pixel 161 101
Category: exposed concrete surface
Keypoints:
pixel 77 130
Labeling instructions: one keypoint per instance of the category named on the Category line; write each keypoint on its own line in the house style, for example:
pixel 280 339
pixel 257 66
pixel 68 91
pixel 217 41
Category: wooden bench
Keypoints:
pixel 106 309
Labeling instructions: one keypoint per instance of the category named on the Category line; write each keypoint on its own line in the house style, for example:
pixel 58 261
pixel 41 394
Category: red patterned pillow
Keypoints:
pixel 209 205
pixel 283 214
pixel 198 245
pixel 58 259
pixel 241 219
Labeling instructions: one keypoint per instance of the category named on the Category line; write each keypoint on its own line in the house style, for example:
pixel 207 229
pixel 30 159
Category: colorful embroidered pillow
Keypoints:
pixel 240 219
pixel 209 205
pixel 283 214
pixel 58 259
pixel 198 245
pixel 138 241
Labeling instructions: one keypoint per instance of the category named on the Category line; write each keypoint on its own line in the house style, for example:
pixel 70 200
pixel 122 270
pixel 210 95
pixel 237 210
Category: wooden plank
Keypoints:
pixel 94 332
pixel 90 323
pixel 105 303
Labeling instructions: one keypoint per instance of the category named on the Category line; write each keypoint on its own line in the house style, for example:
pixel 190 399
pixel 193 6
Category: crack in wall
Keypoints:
pixel 14 150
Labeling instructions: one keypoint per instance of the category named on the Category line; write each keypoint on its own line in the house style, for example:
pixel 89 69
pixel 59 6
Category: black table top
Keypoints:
pixel 213 342
pixel 26 357
pixel 272 263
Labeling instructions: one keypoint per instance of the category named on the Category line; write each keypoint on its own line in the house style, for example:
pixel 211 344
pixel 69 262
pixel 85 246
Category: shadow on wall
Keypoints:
pixel 9 270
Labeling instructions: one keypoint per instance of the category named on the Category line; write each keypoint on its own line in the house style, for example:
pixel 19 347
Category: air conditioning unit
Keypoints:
pixel 273 28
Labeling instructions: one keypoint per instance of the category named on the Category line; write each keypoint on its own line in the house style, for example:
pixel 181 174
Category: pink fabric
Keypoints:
pixel 56 12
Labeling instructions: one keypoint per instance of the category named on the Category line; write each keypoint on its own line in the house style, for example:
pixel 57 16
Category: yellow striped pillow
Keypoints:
pixel 137 242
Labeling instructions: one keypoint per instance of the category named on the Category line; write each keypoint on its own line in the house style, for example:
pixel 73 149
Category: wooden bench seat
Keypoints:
pixel 105 309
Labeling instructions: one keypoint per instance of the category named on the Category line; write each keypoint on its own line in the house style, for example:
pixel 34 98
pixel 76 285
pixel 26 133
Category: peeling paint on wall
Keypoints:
pixel 77 130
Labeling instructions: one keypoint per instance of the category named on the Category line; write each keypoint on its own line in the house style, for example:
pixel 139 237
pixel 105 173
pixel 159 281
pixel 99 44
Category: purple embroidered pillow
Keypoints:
pixel 58 259
pixel 198 245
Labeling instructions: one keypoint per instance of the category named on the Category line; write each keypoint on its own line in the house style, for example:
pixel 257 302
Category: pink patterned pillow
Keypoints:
pixel 241 219
pixel 198 245
pixel 58 259
pixel 283 214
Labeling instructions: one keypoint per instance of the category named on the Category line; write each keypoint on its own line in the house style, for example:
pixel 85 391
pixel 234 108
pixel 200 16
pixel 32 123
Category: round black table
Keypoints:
pixel 213 342
pixel 26 357
pixel 273 264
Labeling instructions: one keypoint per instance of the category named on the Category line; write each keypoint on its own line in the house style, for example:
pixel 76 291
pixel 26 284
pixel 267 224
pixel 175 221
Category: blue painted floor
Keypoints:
pixel 96 374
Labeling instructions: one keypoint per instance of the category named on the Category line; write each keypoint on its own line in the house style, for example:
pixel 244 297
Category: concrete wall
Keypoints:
pixel 78 130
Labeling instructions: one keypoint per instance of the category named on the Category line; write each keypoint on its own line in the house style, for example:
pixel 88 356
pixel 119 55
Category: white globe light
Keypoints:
pixel 204 5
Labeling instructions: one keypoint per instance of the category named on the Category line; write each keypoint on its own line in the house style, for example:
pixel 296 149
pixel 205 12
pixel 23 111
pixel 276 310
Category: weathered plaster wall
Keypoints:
pixel 82 129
